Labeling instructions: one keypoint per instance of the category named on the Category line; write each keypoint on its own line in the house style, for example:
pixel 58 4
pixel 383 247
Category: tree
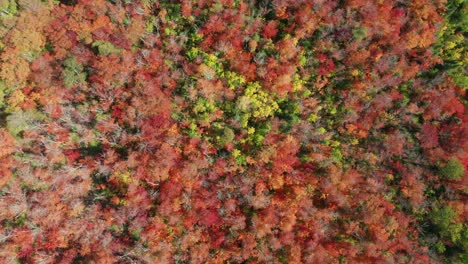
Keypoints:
pixel 452 170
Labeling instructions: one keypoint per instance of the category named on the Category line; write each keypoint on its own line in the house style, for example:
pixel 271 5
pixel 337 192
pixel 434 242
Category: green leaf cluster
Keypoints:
pixel 452 170
pixel 451 45
pixel 105 48
pixel 449 230
pixel 73 73
pixel 20 121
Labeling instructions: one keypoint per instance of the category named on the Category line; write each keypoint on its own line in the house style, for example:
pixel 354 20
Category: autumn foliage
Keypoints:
pixel 232 131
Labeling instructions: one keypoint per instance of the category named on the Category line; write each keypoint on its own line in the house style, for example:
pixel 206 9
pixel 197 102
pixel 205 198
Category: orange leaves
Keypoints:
pixel 30 40
pixel 420 40
pixel 288 49
pixel 270 29
pixel 288 220
pixel 241 63
pixel 286 155
pixel 351 128
pixel 281 12
pixel 276 182
pixel 136 30
pixel 100 22
pixel 14 69
pixel 25 41
pixel 186 8
pixel 425 12
pixel 7 144
pixel 306 21
pixel 207 72
pixel 413 188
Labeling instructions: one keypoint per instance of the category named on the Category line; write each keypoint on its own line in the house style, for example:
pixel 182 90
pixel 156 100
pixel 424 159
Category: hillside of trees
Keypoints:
pixel 233 131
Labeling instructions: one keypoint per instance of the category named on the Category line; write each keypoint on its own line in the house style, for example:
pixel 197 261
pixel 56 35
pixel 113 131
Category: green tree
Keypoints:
pixel 452 170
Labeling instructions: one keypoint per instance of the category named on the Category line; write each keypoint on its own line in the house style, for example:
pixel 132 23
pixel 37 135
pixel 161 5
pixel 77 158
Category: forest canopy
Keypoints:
pixel 233 131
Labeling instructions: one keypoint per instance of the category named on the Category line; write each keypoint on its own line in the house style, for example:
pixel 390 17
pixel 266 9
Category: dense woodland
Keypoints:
pixel 233 131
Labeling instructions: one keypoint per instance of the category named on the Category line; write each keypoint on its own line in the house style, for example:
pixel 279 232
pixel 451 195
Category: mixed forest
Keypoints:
pixel 233 131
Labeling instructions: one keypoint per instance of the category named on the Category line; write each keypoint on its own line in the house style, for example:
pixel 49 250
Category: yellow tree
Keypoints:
pixel 24 42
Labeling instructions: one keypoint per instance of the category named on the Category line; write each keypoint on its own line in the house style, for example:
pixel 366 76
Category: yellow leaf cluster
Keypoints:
pixel 25 42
